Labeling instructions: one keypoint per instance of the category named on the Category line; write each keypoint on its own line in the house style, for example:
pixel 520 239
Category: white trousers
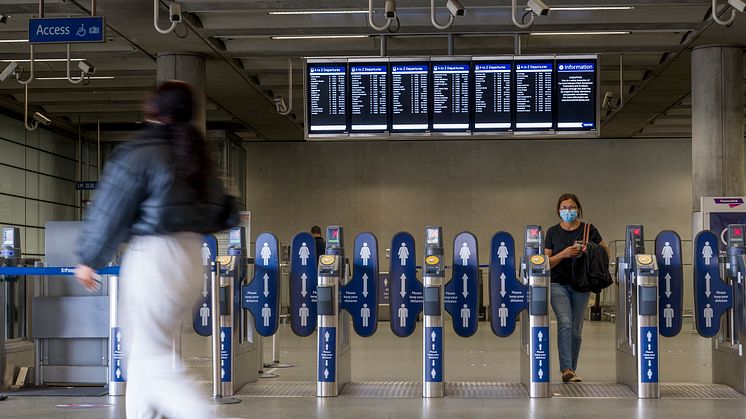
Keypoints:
pixel 160 282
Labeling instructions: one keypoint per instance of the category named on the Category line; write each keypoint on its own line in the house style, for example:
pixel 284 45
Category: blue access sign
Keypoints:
pixel 360 296
pixel 201 316
pixel 327 360
pixel 434 355
pixel 66 30
pixel 117 369
pixel 507 295
pixel 303 282
pixel 540 355
pixel 712 296
pixel 649 354
pixel 226 354
pixel 670 283
pixel 261 296
pixel 406 290
pixel 461 293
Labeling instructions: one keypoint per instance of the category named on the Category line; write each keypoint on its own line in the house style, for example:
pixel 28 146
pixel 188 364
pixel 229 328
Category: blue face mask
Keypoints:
pixel 568 216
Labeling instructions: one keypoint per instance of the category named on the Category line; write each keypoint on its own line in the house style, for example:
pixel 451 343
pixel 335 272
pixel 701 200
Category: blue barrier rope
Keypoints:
pixel 52 271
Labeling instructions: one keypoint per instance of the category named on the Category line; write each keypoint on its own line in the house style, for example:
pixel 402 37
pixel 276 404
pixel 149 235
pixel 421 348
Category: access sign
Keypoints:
pixel 261 296
pixel 649 354
pixel 712 296
pixel 406 291
pixel 508 296
pixel 303 282
pixel 359 296
pixel 670 282
pixel 461 294
pixel 68 30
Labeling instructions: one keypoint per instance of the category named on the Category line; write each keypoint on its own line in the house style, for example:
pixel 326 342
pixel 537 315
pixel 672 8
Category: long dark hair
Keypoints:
pixel 173 105
pixel 572 196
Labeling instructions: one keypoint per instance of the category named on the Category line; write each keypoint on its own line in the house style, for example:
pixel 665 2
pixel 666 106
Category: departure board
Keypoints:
pixel 327 98
pixel 534 107
pixel 451 96
pixel 368 97
pixel 409 97
pixel 493 83
pixel 576 95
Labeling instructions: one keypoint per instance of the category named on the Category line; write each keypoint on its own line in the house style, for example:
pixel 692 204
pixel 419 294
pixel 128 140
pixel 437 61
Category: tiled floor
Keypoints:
pixel 483 358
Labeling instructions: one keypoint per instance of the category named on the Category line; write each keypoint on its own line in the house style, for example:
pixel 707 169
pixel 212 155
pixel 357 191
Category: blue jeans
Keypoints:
pixel 569 307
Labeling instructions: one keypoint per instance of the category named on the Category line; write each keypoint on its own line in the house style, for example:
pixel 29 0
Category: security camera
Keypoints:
pixel 390 9
pixel 280 103
pixel 538 7
pixel 42 119
pixel 455 8
pixel 609 101
pixel 86 67
pixel 174 12
pixel 739 5
pixel 10 70
pixel 4 18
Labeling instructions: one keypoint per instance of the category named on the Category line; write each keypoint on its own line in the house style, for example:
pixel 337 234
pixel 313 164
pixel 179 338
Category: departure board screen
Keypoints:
pixel 451 96
pixel 368 97
pixel 327 98
pixel 576 95
pixel 534 105
pixel 409 97
pixel 493 83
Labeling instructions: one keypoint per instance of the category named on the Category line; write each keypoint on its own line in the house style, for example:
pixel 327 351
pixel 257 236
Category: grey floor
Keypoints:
pixel 482 358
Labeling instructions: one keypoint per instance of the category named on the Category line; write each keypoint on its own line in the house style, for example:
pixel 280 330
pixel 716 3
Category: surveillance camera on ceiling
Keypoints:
pixel 739 5
pixel 455 8
pixel 174 12
pixel 609 101
pixel 10 70
pixel 4 18
pixel 390 9
pixel 538 7
pixel 280 103
pixel 42 119
pixel 86 67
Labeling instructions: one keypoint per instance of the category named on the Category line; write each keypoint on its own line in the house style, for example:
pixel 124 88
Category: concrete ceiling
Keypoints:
pixel 247 68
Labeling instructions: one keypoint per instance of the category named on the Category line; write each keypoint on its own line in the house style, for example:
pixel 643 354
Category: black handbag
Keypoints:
pixel 590 272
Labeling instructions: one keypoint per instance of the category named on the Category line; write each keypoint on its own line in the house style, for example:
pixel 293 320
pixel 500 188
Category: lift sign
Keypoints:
pixel 67 30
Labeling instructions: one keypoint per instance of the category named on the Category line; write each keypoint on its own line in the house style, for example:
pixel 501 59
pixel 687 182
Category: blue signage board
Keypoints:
pixel 406 290
pixel 384 284
pixel 670 283
pixel 508 297
pixel 86 186
pixel 649 354
pixel 461 293
pixel 303 282
pixel 226 354
pixel 327 364
pixel 712 296
pixel 434 355
pixel 201 317
pixel 117 356
pixel 360 296
pixel 719 221
pixel 261 296
pixel 540 355
pixel 66 30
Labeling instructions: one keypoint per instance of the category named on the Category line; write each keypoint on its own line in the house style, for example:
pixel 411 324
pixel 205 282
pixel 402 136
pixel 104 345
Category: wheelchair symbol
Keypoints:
pixel 81 31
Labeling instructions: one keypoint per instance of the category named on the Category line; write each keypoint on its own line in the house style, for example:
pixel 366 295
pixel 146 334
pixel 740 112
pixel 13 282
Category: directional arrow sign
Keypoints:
pixel 670 283
pixel 327 347
pixel 405 299
pixel 266 285
pixel 403 291
pixel 708 282
pixel 261 296
pixel 508 296
pixel 502 284
pixel 360 295
pixel 461 296
pixel 434 354
pixel 303 282
pixel 304 285
pixel 365 285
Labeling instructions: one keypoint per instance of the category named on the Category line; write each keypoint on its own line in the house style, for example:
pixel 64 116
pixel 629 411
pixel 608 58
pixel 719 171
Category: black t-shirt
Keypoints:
pixel 320 246
pixel 557 239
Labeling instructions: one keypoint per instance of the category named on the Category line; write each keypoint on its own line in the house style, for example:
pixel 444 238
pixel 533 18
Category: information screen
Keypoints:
pixel 327 98
pixel 409 97
pixel 534 108
pixel 576 95
pixel 493 83
pixel 368 97
pixel 451 96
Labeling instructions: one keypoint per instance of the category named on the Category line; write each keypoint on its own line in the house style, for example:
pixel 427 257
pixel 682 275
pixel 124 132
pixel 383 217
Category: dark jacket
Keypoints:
pixel 139 195
pixel 590 271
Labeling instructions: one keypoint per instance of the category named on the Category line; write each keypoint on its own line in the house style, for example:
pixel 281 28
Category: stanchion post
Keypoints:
pixel 217 385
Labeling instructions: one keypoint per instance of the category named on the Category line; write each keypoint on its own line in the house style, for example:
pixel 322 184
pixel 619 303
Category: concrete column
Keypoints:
pixel 717 122
pixel 188 67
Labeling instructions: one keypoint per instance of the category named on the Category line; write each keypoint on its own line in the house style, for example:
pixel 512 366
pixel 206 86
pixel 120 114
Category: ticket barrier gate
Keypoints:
pixel 432 331
pixel 333 338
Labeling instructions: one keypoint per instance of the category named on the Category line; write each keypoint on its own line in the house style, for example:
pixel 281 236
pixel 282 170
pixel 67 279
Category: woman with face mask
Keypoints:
pixel 562 245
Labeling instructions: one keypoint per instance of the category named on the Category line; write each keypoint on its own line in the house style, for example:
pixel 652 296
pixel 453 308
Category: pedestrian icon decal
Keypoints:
pixel 303 313
pixel 304 254
pixel 667 253
pixel 266 254
pixel 403 254
pixel 707 253
pixel 365 254
pixel 465 253
pixel 204 314
pixel 502 253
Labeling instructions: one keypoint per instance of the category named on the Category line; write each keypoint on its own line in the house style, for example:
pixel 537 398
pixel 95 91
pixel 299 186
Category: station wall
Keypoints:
pixel 479 186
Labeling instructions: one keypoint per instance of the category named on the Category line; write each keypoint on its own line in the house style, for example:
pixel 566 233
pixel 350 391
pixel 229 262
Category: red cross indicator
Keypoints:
pixel 533 232
pixel 737 232
pixel 636 231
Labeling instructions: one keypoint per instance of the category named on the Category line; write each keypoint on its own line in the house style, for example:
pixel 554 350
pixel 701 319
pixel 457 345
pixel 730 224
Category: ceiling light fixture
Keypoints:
pixel 588 8
pixel 43 60
pixel 318 12
pixel 580 33
pixel 293 37
pixel 13 41
pixel 65 78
